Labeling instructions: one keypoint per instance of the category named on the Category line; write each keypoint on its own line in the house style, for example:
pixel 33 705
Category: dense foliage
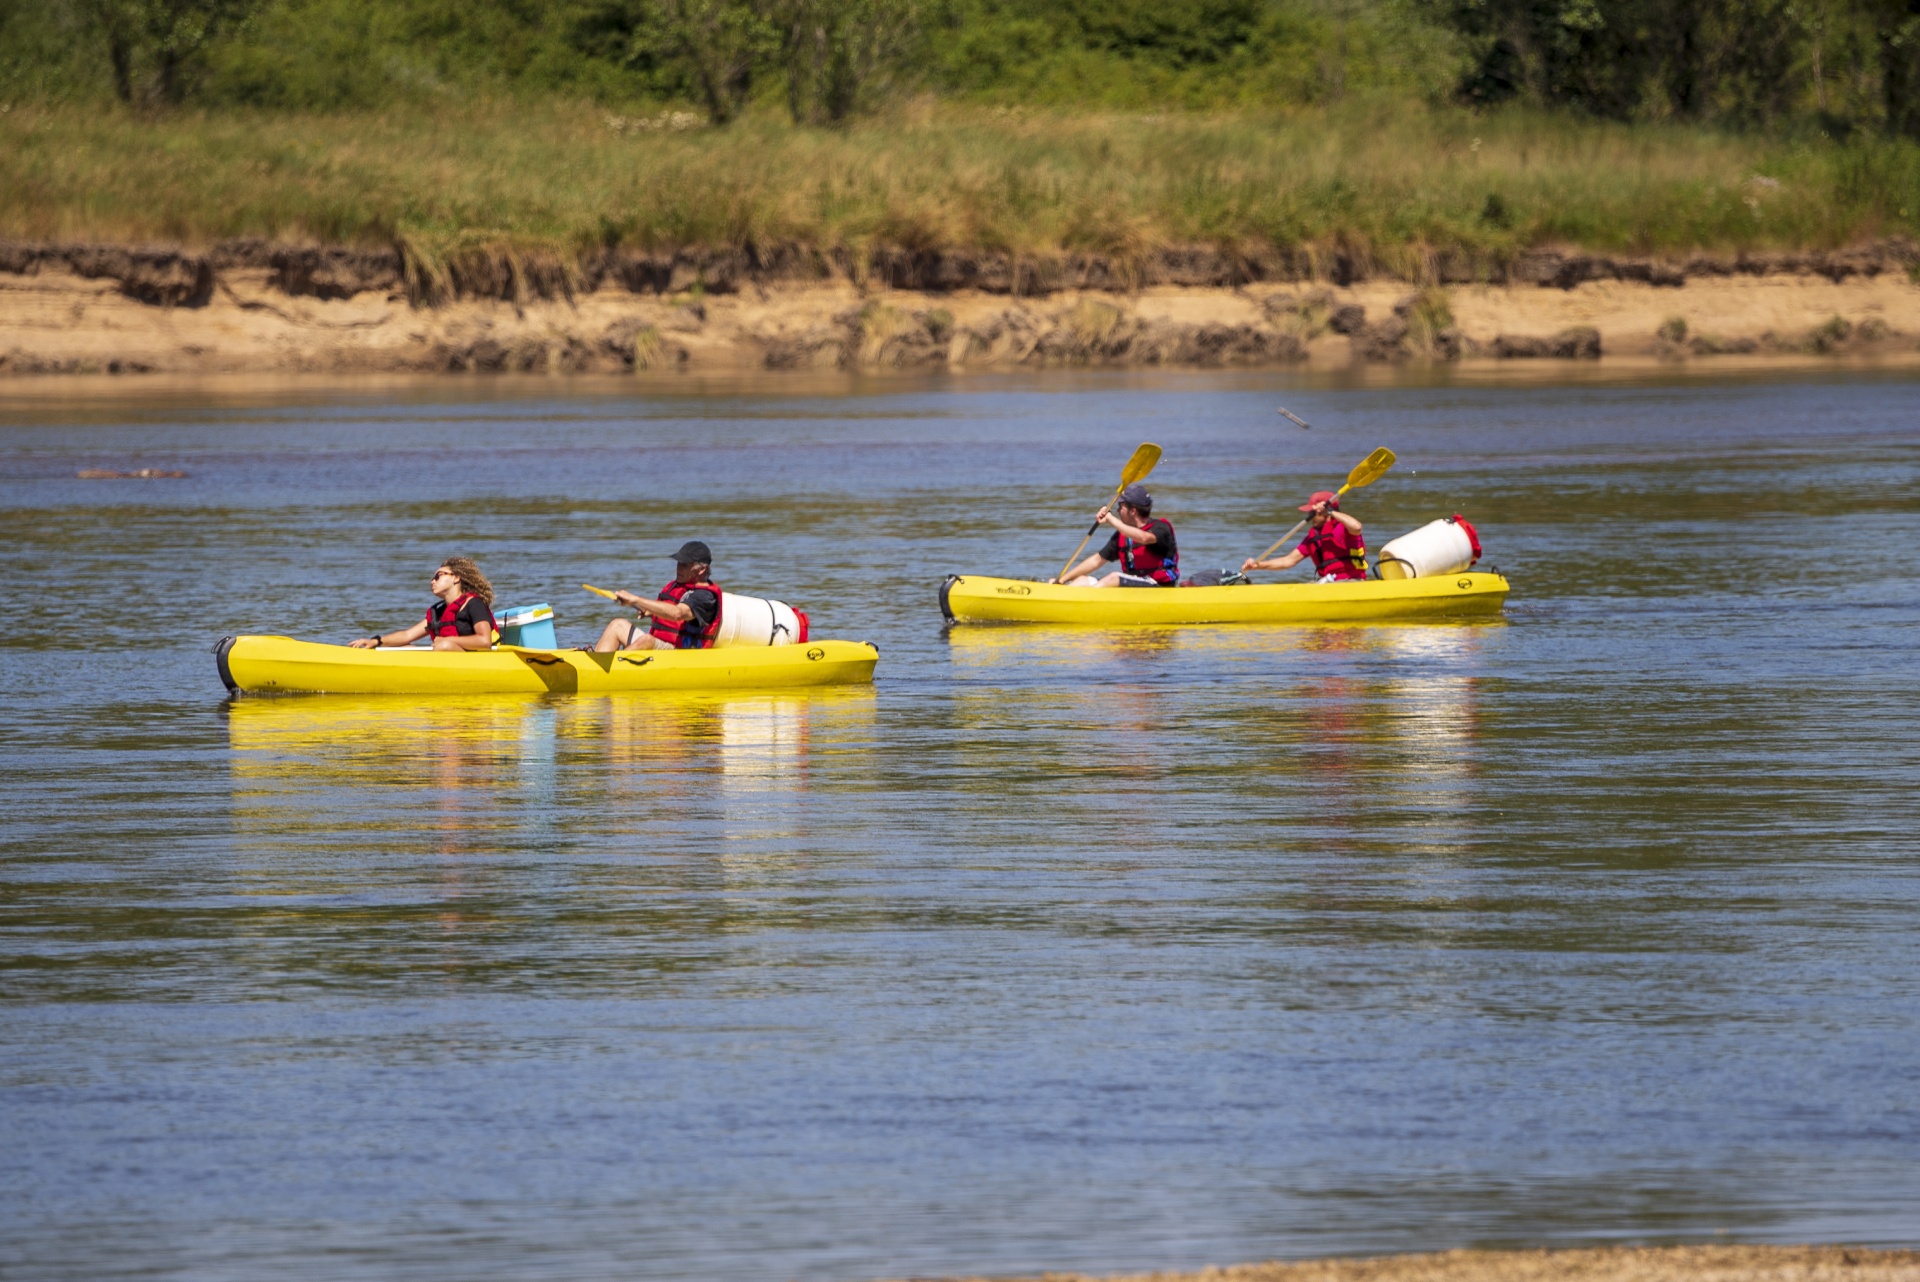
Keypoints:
pixel 1835 65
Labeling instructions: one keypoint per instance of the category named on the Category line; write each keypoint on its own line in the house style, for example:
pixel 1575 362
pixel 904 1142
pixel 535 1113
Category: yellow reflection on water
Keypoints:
pixel 457 773
pixel 980 646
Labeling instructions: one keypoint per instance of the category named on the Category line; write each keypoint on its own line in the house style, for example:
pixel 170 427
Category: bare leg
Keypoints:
pixel 615 636
pixel 645 641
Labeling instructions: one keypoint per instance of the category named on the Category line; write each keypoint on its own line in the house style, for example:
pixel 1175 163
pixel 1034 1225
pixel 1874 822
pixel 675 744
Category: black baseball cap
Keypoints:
pixel 1136 496
pixel 692 551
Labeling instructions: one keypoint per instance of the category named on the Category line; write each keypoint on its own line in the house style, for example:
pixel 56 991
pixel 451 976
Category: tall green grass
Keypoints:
pixel 1387 180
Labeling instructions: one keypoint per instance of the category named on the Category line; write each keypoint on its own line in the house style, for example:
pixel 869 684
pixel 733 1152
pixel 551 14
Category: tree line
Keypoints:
pixel 1835 65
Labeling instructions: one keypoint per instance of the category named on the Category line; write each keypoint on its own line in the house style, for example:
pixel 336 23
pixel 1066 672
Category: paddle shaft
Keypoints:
pixel 1366 472
pixel 1137 468
pixel 1290 533
pixel 1083 542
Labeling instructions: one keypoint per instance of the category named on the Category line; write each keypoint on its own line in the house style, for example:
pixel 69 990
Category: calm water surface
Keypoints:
pixel 1054 949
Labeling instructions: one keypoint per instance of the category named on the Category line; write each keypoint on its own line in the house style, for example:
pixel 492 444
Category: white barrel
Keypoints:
pixel 1438 547
pixel 752 620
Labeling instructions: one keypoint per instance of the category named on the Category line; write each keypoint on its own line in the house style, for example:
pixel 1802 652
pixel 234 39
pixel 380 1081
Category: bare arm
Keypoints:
pixel 1286 562
pixel 405 636
pixel 1351 522
pixel 1087 566
pixel 482 639
pixel 672 611
pixel 1139 536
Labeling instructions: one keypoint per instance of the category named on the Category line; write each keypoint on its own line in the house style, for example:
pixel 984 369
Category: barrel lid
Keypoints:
pixel 526 613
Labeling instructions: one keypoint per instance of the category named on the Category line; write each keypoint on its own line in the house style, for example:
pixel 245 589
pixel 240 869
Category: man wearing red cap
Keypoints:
pixel 1333 540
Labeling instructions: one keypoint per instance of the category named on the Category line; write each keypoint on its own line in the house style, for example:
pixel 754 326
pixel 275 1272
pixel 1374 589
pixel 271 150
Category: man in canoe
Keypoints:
pixel 685 616
pixel 1142 543
pixel 1334 541
pixel 462 618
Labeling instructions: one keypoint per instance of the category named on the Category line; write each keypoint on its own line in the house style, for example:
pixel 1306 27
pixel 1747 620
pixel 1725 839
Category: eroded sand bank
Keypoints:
pixel 59 315
pixel 1618 1264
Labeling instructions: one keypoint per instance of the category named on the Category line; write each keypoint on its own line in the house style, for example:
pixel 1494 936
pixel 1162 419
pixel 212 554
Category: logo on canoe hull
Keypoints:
pixel 816 653
pixel 1018 589
pixel 1464 584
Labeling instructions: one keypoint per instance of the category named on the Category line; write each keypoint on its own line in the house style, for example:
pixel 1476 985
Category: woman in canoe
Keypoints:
pixel 1142 543
pixel 685 616
pixel 461 619
pixel 1334 541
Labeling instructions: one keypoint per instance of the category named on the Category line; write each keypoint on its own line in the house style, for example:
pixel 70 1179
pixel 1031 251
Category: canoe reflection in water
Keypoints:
pixel 322 776
pixel 1332 727
pixel 1255 644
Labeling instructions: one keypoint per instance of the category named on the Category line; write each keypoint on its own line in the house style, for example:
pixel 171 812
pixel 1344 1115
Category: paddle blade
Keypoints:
pixel 598 591
pixel 1139 465
pixel 1370 469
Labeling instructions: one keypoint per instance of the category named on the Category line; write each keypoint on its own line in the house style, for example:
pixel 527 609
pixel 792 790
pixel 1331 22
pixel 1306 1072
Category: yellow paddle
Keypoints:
pixel 1136 469
pixel 1370 469
pixel 611 596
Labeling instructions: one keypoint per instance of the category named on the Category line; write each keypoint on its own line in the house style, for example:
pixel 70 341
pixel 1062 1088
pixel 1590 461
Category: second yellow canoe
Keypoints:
pixel 977 599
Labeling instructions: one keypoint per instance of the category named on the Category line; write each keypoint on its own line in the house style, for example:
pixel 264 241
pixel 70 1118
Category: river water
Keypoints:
pixel 1054 949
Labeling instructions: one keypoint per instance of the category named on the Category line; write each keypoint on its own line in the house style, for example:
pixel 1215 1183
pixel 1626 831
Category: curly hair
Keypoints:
pixel 471 580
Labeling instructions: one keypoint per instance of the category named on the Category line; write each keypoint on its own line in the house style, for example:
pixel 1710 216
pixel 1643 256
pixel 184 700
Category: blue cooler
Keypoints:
pixel 530 626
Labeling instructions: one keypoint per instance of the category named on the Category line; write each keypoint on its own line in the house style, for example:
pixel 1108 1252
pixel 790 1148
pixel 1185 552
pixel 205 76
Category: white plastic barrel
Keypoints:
pixel 752 620
pixel 1446 546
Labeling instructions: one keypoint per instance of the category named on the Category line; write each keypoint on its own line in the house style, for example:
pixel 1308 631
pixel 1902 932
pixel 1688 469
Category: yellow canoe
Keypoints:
pixel 275 665
pixel 977 599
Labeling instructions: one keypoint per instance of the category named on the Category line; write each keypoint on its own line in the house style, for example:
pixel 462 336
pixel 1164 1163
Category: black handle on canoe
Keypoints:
pixel 220 649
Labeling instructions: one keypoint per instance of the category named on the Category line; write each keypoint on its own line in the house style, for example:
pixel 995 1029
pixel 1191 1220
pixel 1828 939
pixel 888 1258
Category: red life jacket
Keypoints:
pixel 443 617
pixel 1329 557
pixel 1152 560
pixel 673 633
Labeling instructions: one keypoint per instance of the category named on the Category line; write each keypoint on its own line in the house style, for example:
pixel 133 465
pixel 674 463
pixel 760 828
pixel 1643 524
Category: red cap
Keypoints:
pixel 1321 496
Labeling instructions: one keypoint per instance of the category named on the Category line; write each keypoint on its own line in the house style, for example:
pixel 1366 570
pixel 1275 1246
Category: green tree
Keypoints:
pixel 1897 28
pixel 835 52
pixel 719 44
pixel 154 46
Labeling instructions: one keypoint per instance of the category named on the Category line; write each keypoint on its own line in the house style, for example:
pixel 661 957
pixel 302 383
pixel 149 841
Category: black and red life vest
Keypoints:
pixel 443 617
pixel 674 633
pixel 1150 560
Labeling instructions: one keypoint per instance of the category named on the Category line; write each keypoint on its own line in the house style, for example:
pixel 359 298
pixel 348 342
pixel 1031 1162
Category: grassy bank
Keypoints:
pixel 1388 181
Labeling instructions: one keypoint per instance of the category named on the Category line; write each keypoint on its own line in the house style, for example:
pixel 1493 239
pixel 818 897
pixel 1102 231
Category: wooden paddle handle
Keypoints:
pixel 1282 539
pixel 1062 576
pixel 1296 529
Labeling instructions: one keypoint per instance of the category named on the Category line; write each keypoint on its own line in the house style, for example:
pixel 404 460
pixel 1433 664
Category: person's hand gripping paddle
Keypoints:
pixel 1370 469
pixel 1137 467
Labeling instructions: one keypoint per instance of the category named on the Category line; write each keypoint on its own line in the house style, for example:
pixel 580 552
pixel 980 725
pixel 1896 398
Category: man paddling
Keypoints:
pixel 1142 543
pixel 685 616
pixel 1334 541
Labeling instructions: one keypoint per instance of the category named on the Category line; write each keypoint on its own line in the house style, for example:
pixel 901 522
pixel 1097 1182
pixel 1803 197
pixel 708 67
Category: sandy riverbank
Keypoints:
pixel 162 311
pixel 1614 1264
